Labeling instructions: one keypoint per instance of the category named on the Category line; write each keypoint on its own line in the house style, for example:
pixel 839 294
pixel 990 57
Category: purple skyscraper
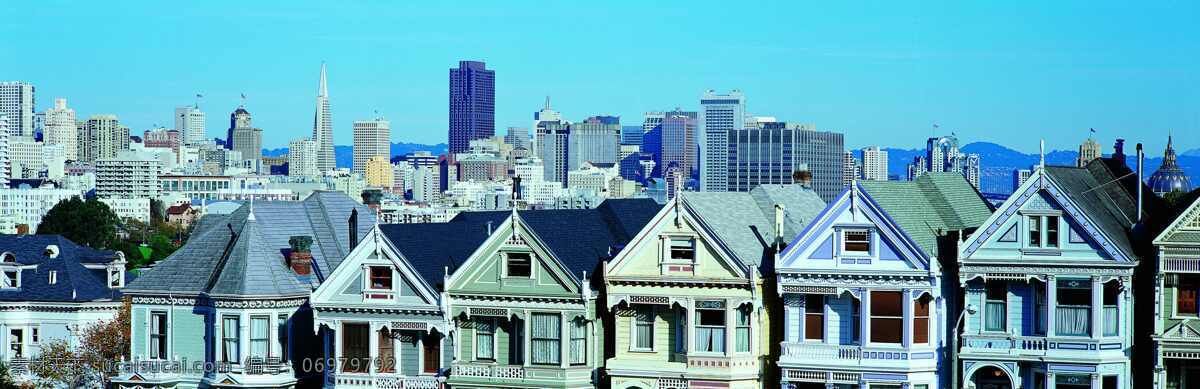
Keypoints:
pixel 472 104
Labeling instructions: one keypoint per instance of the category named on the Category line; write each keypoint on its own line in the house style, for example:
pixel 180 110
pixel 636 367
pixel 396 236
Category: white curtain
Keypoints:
pixel 578 342
pixel 230 334
pixel 546 339
pixel 743 330
pixel 644 318
pixel 259 335
pixel 484 332
pixel 1110 320
pixel 710 339
pixel 1073 320
pixel 996 316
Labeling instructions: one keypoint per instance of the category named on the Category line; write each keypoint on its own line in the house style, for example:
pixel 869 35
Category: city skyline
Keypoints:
pixel 981 84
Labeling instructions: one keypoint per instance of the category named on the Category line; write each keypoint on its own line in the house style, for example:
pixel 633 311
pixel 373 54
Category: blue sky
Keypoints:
pixel 881 72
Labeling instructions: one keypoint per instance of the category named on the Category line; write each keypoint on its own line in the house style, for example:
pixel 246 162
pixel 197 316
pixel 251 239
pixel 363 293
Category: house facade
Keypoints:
pixel 1047 283
pixel 52 289
pixel 1176 327
pixel 230 309
pixel 685 304
pixel 522 307
pixel 864 297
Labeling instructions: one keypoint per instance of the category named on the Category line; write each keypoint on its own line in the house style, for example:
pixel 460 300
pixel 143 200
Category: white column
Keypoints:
pixel 564 340
pixel 1049 380
pixel 525 339
pixel 1097 307
pixel 788 334
pixel 373 345
pixel 730 319
pixel 906 336
pixel 1051 303
pixel 690 328
pixel 864 317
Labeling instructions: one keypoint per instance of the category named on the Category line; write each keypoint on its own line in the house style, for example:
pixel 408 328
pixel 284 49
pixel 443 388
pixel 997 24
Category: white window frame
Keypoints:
pixel 367 278
pixel 633 327
pixel 11 282
pixel 726 342
pixel 532 258
pixel 237 340
pixel 268 339
pixel 115 274
pixel 151 353
pixel 870 241
pixel 475 341
pixel 737 313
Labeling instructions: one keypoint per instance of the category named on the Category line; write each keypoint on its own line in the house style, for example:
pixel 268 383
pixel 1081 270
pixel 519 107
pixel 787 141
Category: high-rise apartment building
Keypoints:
pixel 719 114
pixel 850 169
pixel 323 127
pixel 372 138
pixel 552 140
pixel 874 164
pixel 61 129
pixel 16 102
pixel 189 121
pixel 302 158
pixel 5 171
pixel 943 155
pixel 103 136
pixel 378 172
pixel 1089 150
pixel 472 104
pixel 128 175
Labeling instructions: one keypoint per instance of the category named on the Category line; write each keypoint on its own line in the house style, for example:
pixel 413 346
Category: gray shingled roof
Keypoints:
pixel 1110 202
pixel 934 204
pixel 254 264
pixel 745 221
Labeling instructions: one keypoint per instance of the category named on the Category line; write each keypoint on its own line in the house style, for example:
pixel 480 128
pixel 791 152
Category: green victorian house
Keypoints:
pixel 1177 316
pixel 522 306
pixel 686 305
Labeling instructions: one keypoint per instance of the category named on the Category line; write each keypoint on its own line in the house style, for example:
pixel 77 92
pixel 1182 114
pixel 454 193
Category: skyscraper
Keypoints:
pixel 540 120
pixel 323 127
pixel 4 167
pixel 472 104
pixel 552 140
pixel 372 138
pixel 1089 150
pixel 850 168
pixel 60 129
pixel 651 120
pixel 189 121
pixel 772 152
pixel 596 139
pixel 243 137
pixel 874 164
pixel 16 102
pixel 719 114
pixel 103 137
pixel 518 138
pixel 943 155
pixel 678 144
pixel 302 158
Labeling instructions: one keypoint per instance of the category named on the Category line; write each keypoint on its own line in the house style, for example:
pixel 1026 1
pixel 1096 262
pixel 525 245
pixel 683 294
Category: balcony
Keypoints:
pixel 386 381
pixel 489 371
pixel 834 355
pixel 1036 346
pixel 473 374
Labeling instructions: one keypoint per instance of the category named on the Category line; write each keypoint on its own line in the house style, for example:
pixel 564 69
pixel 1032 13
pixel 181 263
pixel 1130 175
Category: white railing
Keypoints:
pixel 487 371
pixel 822 351
pixel 1181 265
pixel 387 381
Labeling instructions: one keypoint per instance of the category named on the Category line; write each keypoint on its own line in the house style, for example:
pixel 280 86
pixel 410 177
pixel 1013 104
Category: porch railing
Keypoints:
pixel 488 371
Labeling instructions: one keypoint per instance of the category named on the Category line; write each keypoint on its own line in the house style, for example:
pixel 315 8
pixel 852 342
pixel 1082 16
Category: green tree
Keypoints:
pixel 89 223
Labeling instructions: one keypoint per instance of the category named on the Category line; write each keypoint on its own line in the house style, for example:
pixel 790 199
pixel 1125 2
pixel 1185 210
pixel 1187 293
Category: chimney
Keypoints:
pixel 803 176
pixel 300 257
pixel 1140 157
pixel 778 225
pixel 353 227
pixel 1119 151
pixel 372 198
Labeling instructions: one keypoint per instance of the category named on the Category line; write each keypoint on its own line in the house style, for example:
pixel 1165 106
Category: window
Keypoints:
pixel 158 335
pixel 1051 231
pixel 34 337
pixel 485 335
pixel 1074 312
pixel 12 279
pixel 887 317
pixel 578 342
pixel 381 278
pixel 229 339
pixel 742 330
pixel 856 320
pixel 643 327
pixel 283 335
pixel 356 347
pixel 1039 308
pixel 260 336
pixel 995 310
pixel 114 278
pixel 1112 294
pixel 432 345
pixel 683 249
pixel 1185 295
pixel 1108 382
pixel 16 343
pixel 856 241
pixel 1035 231
pixel 387 352
pixel 920 329
pixel 545 339
pixel 53 277
pixel 814 317
pixel 680 330
pixel 519 265
pixel 710 328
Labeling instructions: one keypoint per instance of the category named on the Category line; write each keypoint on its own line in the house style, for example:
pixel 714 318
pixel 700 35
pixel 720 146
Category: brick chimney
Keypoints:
pixel 300 257
pixel 372 198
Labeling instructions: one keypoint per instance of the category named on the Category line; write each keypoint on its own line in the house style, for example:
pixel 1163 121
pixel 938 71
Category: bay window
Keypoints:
pixel 158 335
pixel 1112 294
pixel 710 328
pixel 260 335
pixel 887 316
pixel 1187 286
pixel 578 342
pixel 643 327
pixel 432 344
pixel 229 339
pixel 485 336
pixel 1073 316
pixel 920 328
pixel 995 307
pixel 387 352
pixel 742 329
pixel 545 339
pixel 814 317
pixel 356 347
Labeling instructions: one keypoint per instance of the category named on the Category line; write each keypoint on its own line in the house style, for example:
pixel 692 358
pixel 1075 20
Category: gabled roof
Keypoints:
pixel 1184 229
pixel 934 204
pixel 745 221
pixel 432 248
pixel 239 255
pixel 580 238
pixel 1106 192
pixel 75 282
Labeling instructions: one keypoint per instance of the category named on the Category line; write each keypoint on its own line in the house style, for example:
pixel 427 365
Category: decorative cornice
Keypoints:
pixel 220 303
pixel 61 307
pixel 855 280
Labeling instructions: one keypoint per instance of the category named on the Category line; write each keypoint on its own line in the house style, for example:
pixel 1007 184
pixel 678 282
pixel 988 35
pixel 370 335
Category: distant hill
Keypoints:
pixel 999 162
pixel 345 154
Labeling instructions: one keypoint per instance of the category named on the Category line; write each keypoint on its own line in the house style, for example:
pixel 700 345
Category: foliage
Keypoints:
pixel 57 365
pixel 6 380
pixel 90 223
pixel 107 342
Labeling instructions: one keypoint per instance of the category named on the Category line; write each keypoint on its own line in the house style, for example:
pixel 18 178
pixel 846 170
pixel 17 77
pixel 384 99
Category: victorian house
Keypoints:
pixel 1047 282
pixel 865 305
pixel 381 310
pixel 51 290
pixel 1177 316
pixel 686 305
pixel 522 306
pixel 231 307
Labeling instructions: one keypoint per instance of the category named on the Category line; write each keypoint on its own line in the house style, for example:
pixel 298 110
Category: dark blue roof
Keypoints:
pixel 75 282
pixel 433 247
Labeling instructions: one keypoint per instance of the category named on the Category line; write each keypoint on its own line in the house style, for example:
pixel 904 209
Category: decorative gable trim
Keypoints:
pixel 512 233
pixel 1189 220
pixel 679 213
pixel 375 242
pixel 1011 208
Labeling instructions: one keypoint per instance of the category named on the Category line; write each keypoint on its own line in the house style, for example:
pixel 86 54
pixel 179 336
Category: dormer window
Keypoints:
pixel 116 278
pixel 518 265
pixel 12 279
pixel 380 278
pixel 8 258
pixel 856 241
pixel 683 249
pixel 53 277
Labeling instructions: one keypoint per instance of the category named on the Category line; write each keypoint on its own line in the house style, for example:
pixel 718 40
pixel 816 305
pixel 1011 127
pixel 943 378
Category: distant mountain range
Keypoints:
pixel 999 162
pixel 345 154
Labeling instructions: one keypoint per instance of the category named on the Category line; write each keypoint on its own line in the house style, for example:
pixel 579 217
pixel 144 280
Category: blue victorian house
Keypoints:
pixel 1047 281
pixel 865 305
